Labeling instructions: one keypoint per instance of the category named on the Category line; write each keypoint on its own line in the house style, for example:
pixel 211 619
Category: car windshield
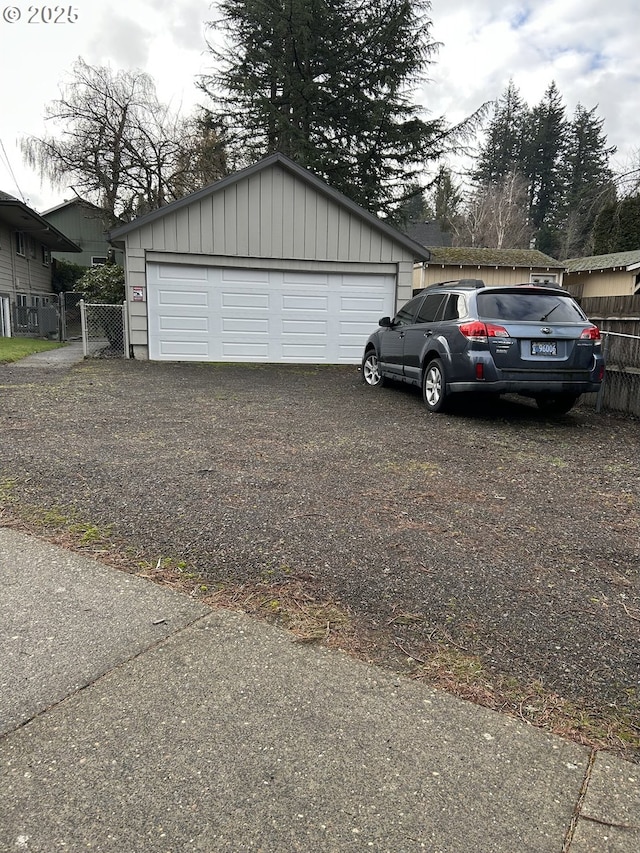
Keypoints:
pixel 524 307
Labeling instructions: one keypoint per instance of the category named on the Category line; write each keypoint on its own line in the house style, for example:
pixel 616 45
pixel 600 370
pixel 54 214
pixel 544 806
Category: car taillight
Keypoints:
pixel 591 334
pixel 478 331
pixel 497 331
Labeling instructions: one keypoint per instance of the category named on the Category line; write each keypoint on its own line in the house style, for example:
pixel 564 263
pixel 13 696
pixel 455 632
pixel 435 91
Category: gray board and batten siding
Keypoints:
pixel 275 217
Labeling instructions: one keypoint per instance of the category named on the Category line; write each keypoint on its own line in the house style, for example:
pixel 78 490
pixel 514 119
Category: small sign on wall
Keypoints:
pixel 138 294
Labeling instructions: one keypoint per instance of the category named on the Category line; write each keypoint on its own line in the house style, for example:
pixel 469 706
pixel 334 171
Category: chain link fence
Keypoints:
pixel 620 391
pixel 104 330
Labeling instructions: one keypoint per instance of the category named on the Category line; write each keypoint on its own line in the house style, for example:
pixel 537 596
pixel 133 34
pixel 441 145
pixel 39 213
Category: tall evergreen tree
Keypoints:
pixel 330 84
pixel 617 227
pixel 588 182
pixel 545 150
pixel 502 152
pixel 446 199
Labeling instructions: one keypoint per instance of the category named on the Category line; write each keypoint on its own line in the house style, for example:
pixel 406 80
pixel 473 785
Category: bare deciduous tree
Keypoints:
pixel 122 148
pixel 496 216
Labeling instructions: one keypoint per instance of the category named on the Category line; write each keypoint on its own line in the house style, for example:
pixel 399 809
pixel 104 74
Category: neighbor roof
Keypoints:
pixel 20 217
pixel 419 252
pixel 74 201
pixel 471 257
pixel 428 234
pixel 624 260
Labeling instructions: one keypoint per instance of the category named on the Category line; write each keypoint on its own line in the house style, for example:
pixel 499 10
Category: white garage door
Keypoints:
pixel 225 314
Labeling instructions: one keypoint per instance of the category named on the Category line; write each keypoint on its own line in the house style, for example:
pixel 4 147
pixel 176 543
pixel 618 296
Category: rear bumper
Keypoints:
pixel 528 388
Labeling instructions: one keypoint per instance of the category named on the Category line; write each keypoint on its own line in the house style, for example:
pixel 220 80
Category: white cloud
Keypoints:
pixel 589 51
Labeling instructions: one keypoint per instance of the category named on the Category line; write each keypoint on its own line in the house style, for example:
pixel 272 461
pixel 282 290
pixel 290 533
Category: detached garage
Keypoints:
pixel 267 265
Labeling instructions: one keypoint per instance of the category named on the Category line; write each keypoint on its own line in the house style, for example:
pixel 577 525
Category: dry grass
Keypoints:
pixel 312 617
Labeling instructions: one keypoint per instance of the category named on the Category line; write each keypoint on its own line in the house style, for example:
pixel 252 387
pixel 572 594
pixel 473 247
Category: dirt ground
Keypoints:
pixel 493 550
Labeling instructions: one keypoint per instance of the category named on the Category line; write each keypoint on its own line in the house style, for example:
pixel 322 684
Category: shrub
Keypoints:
pixel 103 284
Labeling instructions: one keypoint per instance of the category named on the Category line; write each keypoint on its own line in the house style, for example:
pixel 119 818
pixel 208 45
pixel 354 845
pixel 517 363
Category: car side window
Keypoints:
pixel 455 308
pixel 430 307
pixel 405 315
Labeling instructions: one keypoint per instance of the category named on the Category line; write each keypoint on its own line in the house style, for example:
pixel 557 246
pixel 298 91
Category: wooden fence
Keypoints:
pixel 619 319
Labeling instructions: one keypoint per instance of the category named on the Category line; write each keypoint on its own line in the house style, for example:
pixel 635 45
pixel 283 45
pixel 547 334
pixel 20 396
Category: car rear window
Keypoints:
pixel 536 307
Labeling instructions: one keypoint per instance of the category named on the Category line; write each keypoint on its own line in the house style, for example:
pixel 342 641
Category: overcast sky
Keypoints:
pixel 588 47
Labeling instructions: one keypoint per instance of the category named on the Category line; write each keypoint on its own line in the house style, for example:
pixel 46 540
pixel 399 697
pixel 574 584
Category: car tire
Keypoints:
pixel 371 375
pixel 557 404
pixel 434 386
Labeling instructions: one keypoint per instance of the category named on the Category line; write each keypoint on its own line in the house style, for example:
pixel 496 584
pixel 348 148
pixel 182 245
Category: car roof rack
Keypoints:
pixel 551 285
pixel 475 283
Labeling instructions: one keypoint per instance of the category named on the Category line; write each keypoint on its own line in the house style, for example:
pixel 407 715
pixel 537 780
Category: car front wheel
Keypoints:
pixel 371 370
pixel 434 387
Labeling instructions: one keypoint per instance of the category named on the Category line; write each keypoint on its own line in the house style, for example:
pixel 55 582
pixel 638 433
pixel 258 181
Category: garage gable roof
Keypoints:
pixel 419 252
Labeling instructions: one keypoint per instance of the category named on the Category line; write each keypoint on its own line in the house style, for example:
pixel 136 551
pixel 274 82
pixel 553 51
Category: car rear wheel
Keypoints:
pixel 557 404
pixel 434 388
pixel 371 370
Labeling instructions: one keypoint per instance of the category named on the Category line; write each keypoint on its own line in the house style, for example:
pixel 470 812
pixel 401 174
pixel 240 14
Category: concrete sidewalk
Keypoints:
pixel 134 719
pixel 65 356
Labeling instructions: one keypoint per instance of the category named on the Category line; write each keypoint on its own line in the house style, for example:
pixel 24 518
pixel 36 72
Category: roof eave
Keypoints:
pixel 23 218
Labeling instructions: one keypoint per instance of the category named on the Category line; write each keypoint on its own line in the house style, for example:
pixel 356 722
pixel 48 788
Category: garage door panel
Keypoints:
pixel 167 323
pixel 301 352
pixel 360 305
pixel 304 327
pixel 263 315
pixel 180 272
pixel 245 350
pixel 182 297
pixel 304 303
pixel 305 280
pixel 249 301
pixel 185 349
pixel 240 276
pixel 250 325
pixel 355 329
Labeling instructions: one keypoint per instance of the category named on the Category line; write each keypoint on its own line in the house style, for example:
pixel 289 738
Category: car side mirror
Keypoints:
pixel 386 322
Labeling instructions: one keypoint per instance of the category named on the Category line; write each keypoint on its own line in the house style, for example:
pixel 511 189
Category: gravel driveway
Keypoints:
pixel 494 546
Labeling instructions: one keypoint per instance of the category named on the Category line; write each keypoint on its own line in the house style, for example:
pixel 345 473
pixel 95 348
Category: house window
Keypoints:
pixel 46 256
pixel 20 243
pixel 98 261
pixel 21 300
pixel 543 278
pixel 35 301
pixel 32 247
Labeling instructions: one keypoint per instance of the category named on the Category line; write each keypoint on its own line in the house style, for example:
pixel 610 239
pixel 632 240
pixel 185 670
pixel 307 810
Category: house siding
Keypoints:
pixel 492 276
pixel 606 283
pixel 85 227
pixel 272 214
pixel 6 257
pixel 20 274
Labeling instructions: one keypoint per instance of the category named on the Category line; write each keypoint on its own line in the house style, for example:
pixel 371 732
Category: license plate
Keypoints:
pixel 544 348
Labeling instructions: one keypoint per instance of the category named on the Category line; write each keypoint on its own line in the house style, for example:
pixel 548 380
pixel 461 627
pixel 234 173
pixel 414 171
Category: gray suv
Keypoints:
pixel 463 337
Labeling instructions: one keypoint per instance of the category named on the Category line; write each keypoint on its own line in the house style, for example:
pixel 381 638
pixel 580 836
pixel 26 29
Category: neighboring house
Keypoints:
pixel 617 274
pixel 268 264
pixel 26 243
pixel 87 225
pixel 428 234
pixel 493 266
